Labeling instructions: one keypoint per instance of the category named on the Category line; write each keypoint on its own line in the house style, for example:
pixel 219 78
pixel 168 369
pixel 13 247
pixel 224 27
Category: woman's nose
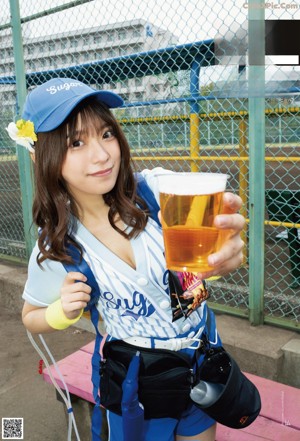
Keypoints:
pixel 98 151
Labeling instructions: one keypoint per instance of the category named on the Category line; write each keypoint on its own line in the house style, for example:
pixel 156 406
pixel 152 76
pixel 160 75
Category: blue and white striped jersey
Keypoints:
pixel 133 302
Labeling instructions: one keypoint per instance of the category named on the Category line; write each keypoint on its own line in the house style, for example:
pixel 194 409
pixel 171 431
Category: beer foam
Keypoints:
pixel 192 183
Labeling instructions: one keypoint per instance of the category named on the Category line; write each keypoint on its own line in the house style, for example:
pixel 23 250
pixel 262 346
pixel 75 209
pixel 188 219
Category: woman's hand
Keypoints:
pixel 74 297
pixel 75 294
pixel 230 256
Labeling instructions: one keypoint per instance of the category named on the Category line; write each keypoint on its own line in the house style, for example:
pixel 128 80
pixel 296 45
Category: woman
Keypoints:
pixel 86 195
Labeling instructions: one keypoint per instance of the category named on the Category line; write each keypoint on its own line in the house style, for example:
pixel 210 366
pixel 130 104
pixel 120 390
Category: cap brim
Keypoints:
pixel 63 110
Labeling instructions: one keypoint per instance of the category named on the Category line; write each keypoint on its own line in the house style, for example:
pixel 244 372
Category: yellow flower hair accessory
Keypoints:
pixel 22 132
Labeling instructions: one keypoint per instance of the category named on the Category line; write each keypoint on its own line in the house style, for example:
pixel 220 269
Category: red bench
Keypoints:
pixel 279 419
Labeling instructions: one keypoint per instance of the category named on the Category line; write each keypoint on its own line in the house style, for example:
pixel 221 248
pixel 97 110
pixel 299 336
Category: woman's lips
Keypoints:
pixel 100 173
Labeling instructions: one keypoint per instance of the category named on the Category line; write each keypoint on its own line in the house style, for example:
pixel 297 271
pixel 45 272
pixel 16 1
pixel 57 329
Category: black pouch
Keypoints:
pixel 239 404
pixel 164 384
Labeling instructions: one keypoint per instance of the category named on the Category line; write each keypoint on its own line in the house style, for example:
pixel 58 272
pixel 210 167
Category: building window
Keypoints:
pixel 138 81
pixel 51 46
pixel 63 44
pixel 112 53
pixel 134 48
pixel 74 43
pixel 121 35
pixel 110 36
pixel 155 88
pixel 86 40
pixel 124 83
pixel 30 50
pixel 125 96
pixel 139 96
pixel 32 65
pixel 9 53
pixel 136 33
pixel 97 39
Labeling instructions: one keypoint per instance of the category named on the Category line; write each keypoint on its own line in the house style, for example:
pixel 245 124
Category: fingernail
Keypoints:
pixel 213 260
pixel 221 221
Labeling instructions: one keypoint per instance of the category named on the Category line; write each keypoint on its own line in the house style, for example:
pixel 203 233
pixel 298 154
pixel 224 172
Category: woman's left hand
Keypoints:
pixel 230 256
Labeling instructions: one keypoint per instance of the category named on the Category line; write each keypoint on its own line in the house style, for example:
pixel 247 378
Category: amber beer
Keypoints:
pixel 189 203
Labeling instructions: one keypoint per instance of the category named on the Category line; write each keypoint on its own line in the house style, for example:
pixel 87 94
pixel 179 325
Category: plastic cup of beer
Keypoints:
pixel 189 203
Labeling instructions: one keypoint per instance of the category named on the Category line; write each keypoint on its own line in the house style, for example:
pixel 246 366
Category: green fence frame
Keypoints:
pixel 196 56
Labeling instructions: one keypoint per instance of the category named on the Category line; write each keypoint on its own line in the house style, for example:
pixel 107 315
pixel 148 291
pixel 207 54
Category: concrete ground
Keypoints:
pixel 23 393
pixel 264 350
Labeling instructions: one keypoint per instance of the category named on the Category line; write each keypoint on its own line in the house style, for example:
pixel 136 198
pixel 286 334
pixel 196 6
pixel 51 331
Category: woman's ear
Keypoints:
pixel 32 155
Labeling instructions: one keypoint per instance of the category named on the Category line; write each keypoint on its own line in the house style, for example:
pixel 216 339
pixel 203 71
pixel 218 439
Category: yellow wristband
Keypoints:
pixel 56 318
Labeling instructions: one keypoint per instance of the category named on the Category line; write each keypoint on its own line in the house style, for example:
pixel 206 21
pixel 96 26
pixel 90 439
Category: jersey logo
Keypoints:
pixel 135 307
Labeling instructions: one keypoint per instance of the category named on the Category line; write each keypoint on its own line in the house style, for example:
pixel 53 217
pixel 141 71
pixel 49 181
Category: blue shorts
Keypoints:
pixel 192 422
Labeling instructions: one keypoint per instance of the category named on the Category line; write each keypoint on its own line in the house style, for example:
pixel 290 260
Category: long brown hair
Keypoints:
pixel 53 204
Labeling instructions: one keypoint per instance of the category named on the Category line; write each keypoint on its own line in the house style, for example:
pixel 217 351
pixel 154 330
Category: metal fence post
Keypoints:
pixel 194 114
pixel 24 161
pixel 256 32
pixel 243 179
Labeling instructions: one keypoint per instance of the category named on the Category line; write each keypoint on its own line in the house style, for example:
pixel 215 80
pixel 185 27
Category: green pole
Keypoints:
pixel 24 161
pixel 46 12
pixel 256 34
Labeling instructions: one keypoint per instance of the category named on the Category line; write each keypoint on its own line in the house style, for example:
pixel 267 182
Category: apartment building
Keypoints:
pixel 88 45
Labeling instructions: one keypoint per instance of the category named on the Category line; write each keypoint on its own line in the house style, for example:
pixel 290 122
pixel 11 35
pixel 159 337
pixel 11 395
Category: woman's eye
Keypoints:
pixel 108 134
pixel 77 143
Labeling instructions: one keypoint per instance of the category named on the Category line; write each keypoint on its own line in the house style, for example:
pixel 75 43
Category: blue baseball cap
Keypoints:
pixel 50 104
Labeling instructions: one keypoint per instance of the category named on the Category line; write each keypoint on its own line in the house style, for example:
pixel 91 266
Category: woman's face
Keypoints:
pixel 92 162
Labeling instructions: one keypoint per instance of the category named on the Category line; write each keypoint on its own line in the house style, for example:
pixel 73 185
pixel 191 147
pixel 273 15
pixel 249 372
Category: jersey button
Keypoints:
pixel 186 327
pixel 142 281
pixel 164 304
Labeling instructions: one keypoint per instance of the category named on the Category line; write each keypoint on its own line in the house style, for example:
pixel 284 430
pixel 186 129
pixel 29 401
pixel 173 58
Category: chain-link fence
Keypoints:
pixel 187 107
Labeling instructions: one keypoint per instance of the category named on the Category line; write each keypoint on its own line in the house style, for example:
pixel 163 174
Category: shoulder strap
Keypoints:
pixel 80 265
